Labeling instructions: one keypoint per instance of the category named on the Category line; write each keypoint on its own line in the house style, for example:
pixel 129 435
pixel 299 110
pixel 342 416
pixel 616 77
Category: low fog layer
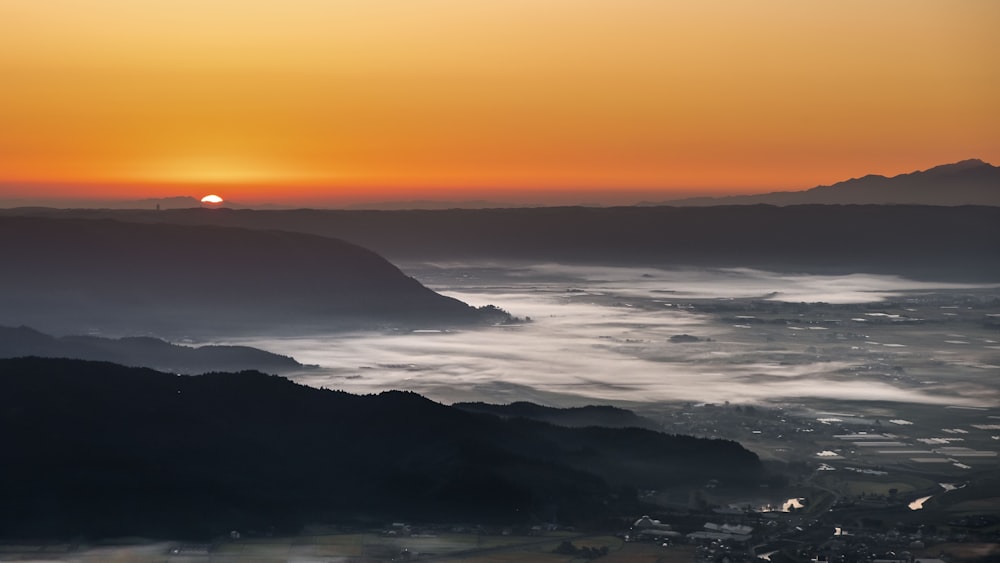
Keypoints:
pixel 604 334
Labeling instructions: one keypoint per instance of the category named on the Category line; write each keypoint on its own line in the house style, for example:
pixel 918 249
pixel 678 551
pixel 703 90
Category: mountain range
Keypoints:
pixel 968 182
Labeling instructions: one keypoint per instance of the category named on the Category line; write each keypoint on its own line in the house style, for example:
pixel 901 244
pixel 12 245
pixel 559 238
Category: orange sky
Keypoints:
pixel 333 101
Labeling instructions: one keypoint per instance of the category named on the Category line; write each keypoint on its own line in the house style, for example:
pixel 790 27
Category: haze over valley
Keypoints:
pixel 616 334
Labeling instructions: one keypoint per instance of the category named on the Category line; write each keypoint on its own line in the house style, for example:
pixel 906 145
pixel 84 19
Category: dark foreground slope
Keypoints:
pixel 73 275
pixel 97 449
pixel 930 242
pixel 142 351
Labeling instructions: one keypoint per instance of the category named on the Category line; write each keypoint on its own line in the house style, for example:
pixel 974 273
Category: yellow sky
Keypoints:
pixel 310 100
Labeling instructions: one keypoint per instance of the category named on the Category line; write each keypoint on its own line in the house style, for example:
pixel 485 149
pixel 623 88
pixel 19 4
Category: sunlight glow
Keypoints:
pixel 211 198
pixel 226 169
pixel 386 99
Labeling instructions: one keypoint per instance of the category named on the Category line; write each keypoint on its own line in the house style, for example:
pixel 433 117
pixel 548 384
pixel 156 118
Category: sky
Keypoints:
pixel 332 102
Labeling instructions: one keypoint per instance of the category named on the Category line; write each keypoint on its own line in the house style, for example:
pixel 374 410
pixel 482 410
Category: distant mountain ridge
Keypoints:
pixel 939 243
pixel 968 182
pixel 434 204
pixel 142 351
pixel 172 202
pixel 73 275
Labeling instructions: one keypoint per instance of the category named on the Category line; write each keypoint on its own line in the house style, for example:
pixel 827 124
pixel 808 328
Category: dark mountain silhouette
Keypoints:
pixel 969 182
pixel 175 202
pixel 434 204
pixel 929 242
pixel 73 275
pixel 575 417
pixel 95 449
pixel 142 351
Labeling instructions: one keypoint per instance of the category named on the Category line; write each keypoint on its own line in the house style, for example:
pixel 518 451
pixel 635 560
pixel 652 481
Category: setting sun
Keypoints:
pixel 211 198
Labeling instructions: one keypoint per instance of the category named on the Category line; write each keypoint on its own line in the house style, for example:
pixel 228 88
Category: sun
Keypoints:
pixel 211 199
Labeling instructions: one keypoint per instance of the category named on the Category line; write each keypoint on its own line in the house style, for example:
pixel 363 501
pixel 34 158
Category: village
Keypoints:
pixel 883 482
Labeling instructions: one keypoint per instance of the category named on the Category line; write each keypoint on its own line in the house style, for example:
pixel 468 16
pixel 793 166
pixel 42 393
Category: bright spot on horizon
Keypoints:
pixel 211 198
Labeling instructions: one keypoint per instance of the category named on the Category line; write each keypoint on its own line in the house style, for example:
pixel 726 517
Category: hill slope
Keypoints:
pixel 99 449
pixel 142 351
pixel 72 275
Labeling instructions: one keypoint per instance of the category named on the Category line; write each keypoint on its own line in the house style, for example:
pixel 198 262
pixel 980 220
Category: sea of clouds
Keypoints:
pixel 602 334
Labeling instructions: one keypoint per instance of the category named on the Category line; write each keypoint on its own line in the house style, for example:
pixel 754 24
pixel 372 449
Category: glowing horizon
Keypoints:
pixel 311 101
